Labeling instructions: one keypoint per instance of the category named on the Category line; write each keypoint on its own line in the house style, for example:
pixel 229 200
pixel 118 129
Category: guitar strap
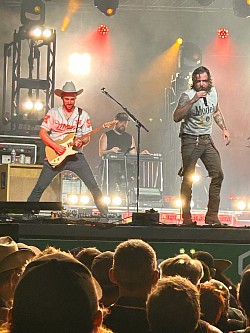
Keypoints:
pixel 79 115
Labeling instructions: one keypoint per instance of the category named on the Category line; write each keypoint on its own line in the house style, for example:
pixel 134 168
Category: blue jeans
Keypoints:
pixel 77 164
pixel 191 150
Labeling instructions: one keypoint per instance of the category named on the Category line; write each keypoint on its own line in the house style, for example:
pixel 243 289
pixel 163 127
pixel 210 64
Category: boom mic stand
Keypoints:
pixel 139 125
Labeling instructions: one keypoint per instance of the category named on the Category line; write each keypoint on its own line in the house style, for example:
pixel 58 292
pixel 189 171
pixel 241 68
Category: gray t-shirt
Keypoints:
pixel 199 119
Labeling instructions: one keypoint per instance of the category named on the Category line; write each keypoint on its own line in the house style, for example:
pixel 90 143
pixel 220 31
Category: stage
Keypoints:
pixel 226 241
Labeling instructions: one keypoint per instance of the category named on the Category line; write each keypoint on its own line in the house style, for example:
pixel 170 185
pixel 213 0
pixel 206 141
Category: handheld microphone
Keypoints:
pixel 205 101
pixel 103 90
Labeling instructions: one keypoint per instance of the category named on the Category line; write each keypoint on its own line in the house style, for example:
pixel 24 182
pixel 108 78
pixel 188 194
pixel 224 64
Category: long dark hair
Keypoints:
pixel 201 70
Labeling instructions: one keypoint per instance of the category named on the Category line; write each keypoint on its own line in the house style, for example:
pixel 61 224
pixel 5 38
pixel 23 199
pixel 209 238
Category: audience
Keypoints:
pixel 52 291
pixel 101 265
pixel 184 266
pixel 135 272
pixel 56 294
pixel 87 255
pixel 12 260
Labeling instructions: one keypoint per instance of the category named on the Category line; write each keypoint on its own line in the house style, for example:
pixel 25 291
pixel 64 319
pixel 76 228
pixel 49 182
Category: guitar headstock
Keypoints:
pixel 110 123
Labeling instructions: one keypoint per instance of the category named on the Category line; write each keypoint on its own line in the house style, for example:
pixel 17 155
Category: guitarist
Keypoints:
pixel 57 124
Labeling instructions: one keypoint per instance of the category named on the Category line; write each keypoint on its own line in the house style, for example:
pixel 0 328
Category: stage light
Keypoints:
pixel 32 13
pixel 241 8
pixel 107 7
pixel 72 199
pixel 223 33
pixel 38 106
pixel 103 29
pixel 80 63
pixel 205 2
pixel 178 203
pixel 196 178
pixel 179 41
pixel 36 32
pixel 47 33
pixel 241 205
pixel 107 200
pixel 117 200
pixel 84 199
pixel 28 105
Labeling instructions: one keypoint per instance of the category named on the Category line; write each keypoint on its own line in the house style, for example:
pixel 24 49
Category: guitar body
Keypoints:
pixel 52 156
pixel 68 142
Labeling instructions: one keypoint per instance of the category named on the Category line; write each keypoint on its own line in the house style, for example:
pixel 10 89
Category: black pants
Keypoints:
pixel 77 164
pixel 193 148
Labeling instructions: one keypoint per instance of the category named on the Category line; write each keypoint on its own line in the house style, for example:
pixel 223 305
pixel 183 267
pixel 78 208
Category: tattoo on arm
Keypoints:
pixel 183 100
pixel 219 119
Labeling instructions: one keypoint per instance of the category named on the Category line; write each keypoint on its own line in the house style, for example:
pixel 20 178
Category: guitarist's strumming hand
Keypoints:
pixel 60 150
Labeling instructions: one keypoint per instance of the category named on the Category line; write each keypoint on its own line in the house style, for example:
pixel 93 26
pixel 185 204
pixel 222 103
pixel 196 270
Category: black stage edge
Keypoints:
pixel 22 207
pixel 120 232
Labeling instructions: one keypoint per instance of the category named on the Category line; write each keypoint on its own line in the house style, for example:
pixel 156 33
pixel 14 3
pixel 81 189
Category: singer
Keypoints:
pixel 118 141
pixel 196 109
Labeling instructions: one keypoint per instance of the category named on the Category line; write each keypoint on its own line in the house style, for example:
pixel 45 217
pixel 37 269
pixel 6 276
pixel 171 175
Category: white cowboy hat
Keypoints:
pixel 11 256
pixel 68 87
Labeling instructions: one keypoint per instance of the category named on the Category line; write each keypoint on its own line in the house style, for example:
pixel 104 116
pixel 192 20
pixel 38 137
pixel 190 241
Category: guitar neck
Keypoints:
pixel 97 129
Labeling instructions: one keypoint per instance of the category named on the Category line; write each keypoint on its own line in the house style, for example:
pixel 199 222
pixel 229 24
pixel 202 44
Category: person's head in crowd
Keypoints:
pixel 100 268
pixel 207 259
pixel 87 255
pixel 58 294
pixel 134 268
pixel 184 266
pixel 212 303
pixel 12 260
pixel 244 293
pixel 223 289
pixel 173 306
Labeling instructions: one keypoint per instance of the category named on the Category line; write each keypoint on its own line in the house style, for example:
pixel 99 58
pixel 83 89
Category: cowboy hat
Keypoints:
pixel 11 256
pixel 68 87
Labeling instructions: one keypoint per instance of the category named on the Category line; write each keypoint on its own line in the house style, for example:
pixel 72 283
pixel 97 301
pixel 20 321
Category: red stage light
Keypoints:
pixel 103 29
pixel 223 33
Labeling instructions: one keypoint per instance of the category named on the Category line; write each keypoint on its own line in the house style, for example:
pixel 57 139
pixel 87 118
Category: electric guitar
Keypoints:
pixel 68 142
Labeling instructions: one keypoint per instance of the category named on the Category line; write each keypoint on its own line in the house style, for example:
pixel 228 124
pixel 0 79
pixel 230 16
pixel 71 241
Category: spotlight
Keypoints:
pixel 117 200
pixel 241 205
pixel 107 7
pixel 28 105
pixel 72 199
pixel 84 199
pixel 178 203
pixel 32 13
pixel 196 178
pixel 41 33
pixel 103 29
pixel 223 33
pixel 179 40
pixel 107 200
pixel 38 106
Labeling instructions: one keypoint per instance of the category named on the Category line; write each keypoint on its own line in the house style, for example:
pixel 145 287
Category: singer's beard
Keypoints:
pixel 120 129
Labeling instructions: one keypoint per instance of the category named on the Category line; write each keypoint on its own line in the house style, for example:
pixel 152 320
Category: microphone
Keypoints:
pixel 205 101
pixel 103 90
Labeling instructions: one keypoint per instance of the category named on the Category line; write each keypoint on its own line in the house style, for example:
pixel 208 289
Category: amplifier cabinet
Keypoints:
pixel 18 180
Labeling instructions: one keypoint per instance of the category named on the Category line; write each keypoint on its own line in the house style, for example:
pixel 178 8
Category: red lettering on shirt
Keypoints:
pixel 46 118
pixel 88 123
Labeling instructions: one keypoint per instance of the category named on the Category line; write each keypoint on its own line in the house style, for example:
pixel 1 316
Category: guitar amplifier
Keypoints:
pixel 18 180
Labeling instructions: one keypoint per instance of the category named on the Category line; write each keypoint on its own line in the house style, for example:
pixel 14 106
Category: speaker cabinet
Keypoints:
pixel 18 180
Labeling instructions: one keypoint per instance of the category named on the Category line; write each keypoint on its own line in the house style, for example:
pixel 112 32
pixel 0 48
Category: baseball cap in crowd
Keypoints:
pixel 122 116
pixel 56 293
pixel 217 264
pixel 11 256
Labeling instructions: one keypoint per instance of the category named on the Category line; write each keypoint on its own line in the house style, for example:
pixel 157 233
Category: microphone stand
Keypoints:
pixel 139 125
